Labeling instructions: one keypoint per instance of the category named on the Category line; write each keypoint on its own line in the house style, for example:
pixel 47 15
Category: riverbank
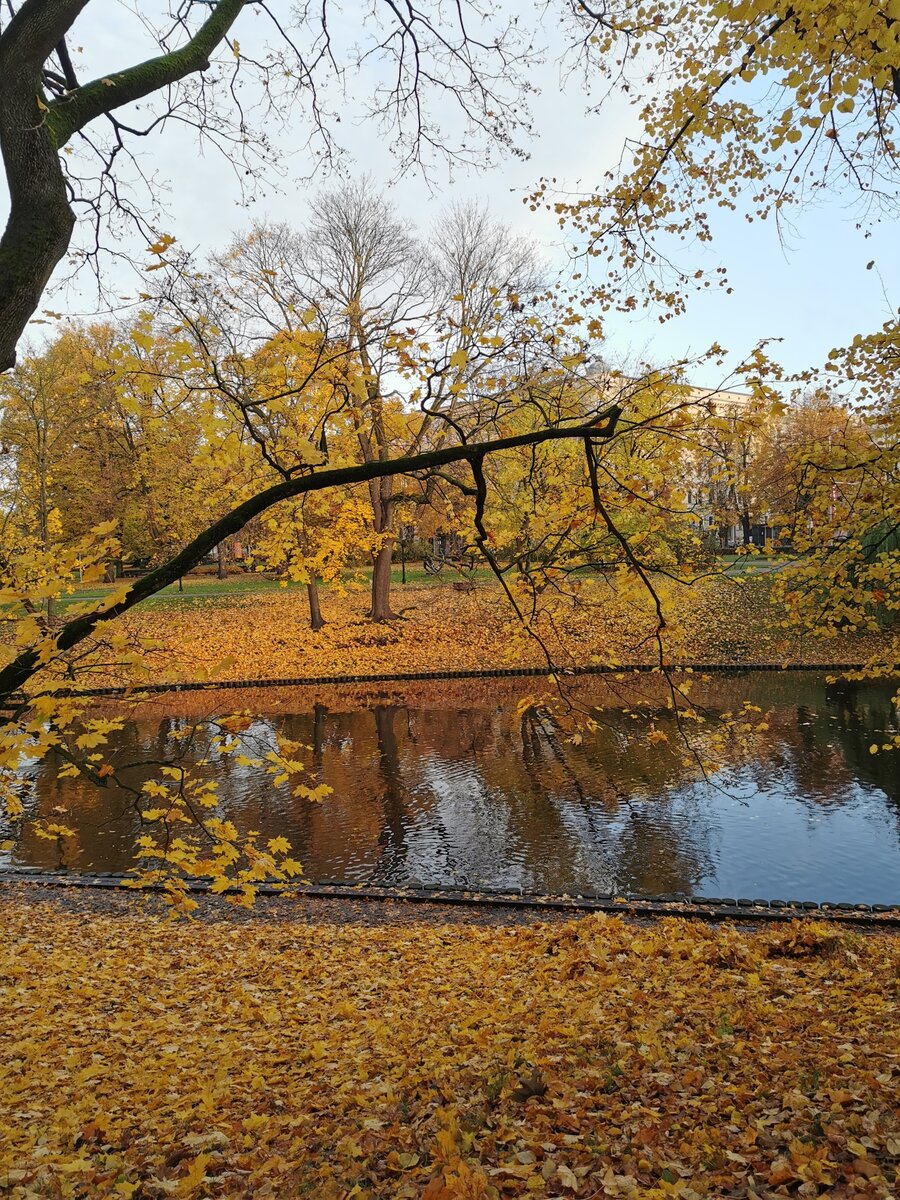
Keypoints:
pixel 235 636
pixel 145 1057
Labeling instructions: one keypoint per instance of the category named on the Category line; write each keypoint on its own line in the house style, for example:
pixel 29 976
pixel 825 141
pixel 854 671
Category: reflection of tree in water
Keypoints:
pixel 393 796
pixel 480 795
pixel 861 717
pixel 643 850
pixel 104 818
pixel 820 741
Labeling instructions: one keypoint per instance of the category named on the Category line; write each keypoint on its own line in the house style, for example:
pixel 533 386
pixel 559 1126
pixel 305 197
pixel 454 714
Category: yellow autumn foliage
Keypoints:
pixel 437 1062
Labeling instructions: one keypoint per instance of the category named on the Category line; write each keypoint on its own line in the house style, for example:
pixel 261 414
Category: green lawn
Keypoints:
pixel 195 587
pixel 753 564
pixel 201 588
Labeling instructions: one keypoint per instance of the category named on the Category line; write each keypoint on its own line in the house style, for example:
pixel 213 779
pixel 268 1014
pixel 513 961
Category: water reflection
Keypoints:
pixel 476 795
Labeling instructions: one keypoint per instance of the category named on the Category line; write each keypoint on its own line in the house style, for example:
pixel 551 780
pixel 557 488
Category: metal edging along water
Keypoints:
pixel 132 690
pixel 703 908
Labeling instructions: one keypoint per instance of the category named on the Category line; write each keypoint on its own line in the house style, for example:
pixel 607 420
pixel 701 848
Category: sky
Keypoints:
pixel 812 290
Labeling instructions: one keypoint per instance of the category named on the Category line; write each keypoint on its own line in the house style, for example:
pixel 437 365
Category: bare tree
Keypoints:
pixel 482 277
pixel 379 295
pixel 366 278
pixel 474 258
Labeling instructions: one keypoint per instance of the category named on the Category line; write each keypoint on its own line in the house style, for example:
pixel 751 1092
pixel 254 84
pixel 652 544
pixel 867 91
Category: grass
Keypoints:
pixel 753 564
pixel 194 587
pixel 204 587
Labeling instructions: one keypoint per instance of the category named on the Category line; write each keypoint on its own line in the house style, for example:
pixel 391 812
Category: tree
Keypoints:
pixel 42 108
pixel 726 459
pixel 362 274
pixel 314 538
pixel 763 109
pixel 801 432
pixel 42 419
pixel 715 136
pixel 444 314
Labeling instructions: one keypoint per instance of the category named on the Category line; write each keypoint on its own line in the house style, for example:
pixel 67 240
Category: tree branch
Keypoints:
pixel 72 112
pixel 16 674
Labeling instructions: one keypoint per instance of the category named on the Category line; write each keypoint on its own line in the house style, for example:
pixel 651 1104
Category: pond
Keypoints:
pixel 449 786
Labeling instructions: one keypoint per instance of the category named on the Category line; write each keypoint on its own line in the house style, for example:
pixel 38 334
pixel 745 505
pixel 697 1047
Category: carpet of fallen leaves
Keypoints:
pixel 149 1058
pixel 268 636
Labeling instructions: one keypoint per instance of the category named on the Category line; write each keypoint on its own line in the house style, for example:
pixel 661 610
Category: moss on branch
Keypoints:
pixel 76 109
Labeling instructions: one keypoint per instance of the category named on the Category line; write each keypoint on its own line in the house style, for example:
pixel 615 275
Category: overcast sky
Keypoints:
pixel 813 290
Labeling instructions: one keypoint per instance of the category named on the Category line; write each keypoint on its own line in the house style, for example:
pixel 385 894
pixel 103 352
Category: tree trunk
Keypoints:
pixel 745 526
pixel 220 569
pixel 381 585
pixel 41 219
pixel 381 569
pixel 316 620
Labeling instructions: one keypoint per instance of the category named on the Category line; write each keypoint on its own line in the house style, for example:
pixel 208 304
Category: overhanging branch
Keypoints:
pixel 16 674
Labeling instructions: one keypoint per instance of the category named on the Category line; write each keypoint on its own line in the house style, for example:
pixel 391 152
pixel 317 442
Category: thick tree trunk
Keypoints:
pixel 220 566
pixel 40 221
pixel 381 569
pixel 381 585
pixel 316 620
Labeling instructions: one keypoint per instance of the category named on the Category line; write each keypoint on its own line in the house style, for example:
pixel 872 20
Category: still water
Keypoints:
pixel 457 789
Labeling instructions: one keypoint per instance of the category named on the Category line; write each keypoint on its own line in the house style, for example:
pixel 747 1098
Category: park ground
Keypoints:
pixel 369 1051
pixel 271 1055
pixel 247 628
